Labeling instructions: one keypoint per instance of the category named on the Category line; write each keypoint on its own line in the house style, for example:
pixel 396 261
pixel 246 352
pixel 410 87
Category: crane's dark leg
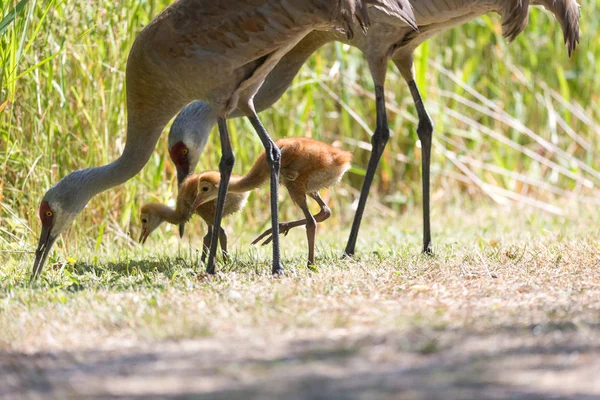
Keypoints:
pixel 223 240
pixel 274 160
pixel 425 132
pixel 225 168
pixel 379 140
pixel 206 244
pixel 285 227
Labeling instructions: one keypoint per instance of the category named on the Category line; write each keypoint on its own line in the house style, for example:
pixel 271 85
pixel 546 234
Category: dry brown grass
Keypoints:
pixel 508 307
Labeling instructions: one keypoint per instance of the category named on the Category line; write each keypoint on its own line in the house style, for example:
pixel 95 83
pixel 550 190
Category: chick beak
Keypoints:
pixel 41 253
pixel 198 202
pixel 144 235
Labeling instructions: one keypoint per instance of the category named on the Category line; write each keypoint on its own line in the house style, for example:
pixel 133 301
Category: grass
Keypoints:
pixel 513 123
pixel 151 295
pixel 502 299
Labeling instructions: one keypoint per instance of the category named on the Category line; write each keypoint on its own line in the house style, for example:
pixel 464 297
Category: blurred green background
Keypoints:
pixel 513 123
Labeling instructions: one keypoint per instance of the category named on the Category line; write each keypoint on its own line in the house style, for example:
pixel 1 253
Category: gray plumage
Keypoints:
pixel 388 37
pixel 219 51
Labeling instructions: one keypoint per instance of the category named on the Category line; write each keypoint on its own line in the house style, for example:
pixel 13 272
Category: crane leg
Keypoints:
pixel 299 198
pixel 379 140
pixel 225 168
pixel 425 132
pixel 223 240
pixel 206 244
pixel 274 160
pixel 285 227
pixel 311 232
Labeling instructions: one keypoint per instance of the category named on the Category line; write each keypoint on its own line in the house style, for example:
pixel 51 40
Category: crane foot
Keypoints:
pixel 278 269
pixel 428 249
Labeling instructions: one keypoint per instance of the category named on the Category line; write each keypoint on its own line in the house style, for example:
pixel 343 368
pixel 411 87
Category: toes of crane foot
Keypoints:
pixel 203 276
pixel 428 250
pixel 278 271
pixel 347 255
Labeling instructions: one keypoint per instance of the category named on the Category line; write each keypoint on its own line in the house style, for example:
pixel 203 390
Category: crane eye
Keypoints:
pixel 144 221
pixel 184 151
pixel 205 189
pixel 49 213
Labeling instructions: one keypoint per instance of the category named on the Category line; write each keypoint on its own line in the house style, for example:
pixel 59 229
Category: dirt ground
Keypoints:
pixel 529 362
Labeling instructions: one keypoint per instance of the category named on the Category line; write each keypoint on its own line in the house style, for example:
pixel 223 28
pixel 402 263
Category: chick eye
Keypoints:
pixel 184 151
pixel 205 189
pixel 144 220
pixel 49 213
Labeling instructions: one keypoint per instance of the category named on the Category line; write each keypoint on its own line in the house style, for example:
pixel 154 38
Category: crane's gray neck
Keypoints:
pixel 75 190
pixel 131 161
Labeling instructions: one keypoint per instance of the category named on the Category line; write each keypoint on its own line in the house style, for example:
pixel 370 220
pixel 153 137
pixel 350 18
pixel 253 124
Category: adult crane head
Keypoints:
pixel 187 139
pixel 188 136
pixel 59 207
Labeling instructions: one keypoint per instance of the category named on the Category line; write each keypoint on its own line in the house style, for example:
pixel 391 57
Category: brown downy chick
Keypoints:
pixel 154 214
pixel 307 166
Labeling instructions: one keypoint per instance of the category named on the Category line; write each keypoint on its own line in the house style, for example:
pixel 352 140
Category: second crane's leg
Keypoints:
pixel 225 168
pixel 274 160
pixel 425 132
pixel 379 140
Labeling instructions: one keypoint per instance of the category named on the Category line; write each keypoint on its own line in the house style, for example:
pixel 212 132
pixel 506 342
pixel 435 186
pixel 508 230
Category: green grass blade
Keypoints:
pixel 12 15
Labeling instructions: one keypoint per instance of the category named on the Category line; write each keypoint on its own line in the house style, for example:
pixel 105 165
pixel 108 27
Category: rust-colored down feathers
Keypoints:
pixel 306 164
pixel 185 207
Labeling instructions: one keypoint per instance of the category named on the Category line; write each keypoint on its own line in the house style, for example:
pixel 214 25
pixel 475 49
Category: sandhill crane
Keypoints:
pixel 386 38
pixel 307 166
pixel 154 214
pixel 219 51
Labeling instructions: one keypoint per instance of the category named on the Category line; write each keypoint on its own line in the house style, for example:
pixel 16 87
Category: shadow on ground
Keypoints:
pixel 529 362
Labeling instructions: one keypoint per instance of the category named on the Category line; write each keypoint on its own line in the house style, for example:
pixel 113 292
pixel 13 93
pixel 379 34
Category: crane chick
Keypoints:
pixel 154 214
pixel 307 166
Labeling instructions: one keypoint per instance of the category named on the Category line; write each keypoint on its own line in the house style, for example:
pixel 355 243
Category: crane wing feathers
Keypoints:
pixel 515 14
pixel 228 21
pixel 401 9
pixel 567 14
pixel 349 12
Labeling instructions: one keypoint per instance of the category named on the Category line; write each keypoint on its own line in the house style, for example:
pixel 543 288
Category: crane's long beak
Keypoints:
pixel 182 173
pixel 42 251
